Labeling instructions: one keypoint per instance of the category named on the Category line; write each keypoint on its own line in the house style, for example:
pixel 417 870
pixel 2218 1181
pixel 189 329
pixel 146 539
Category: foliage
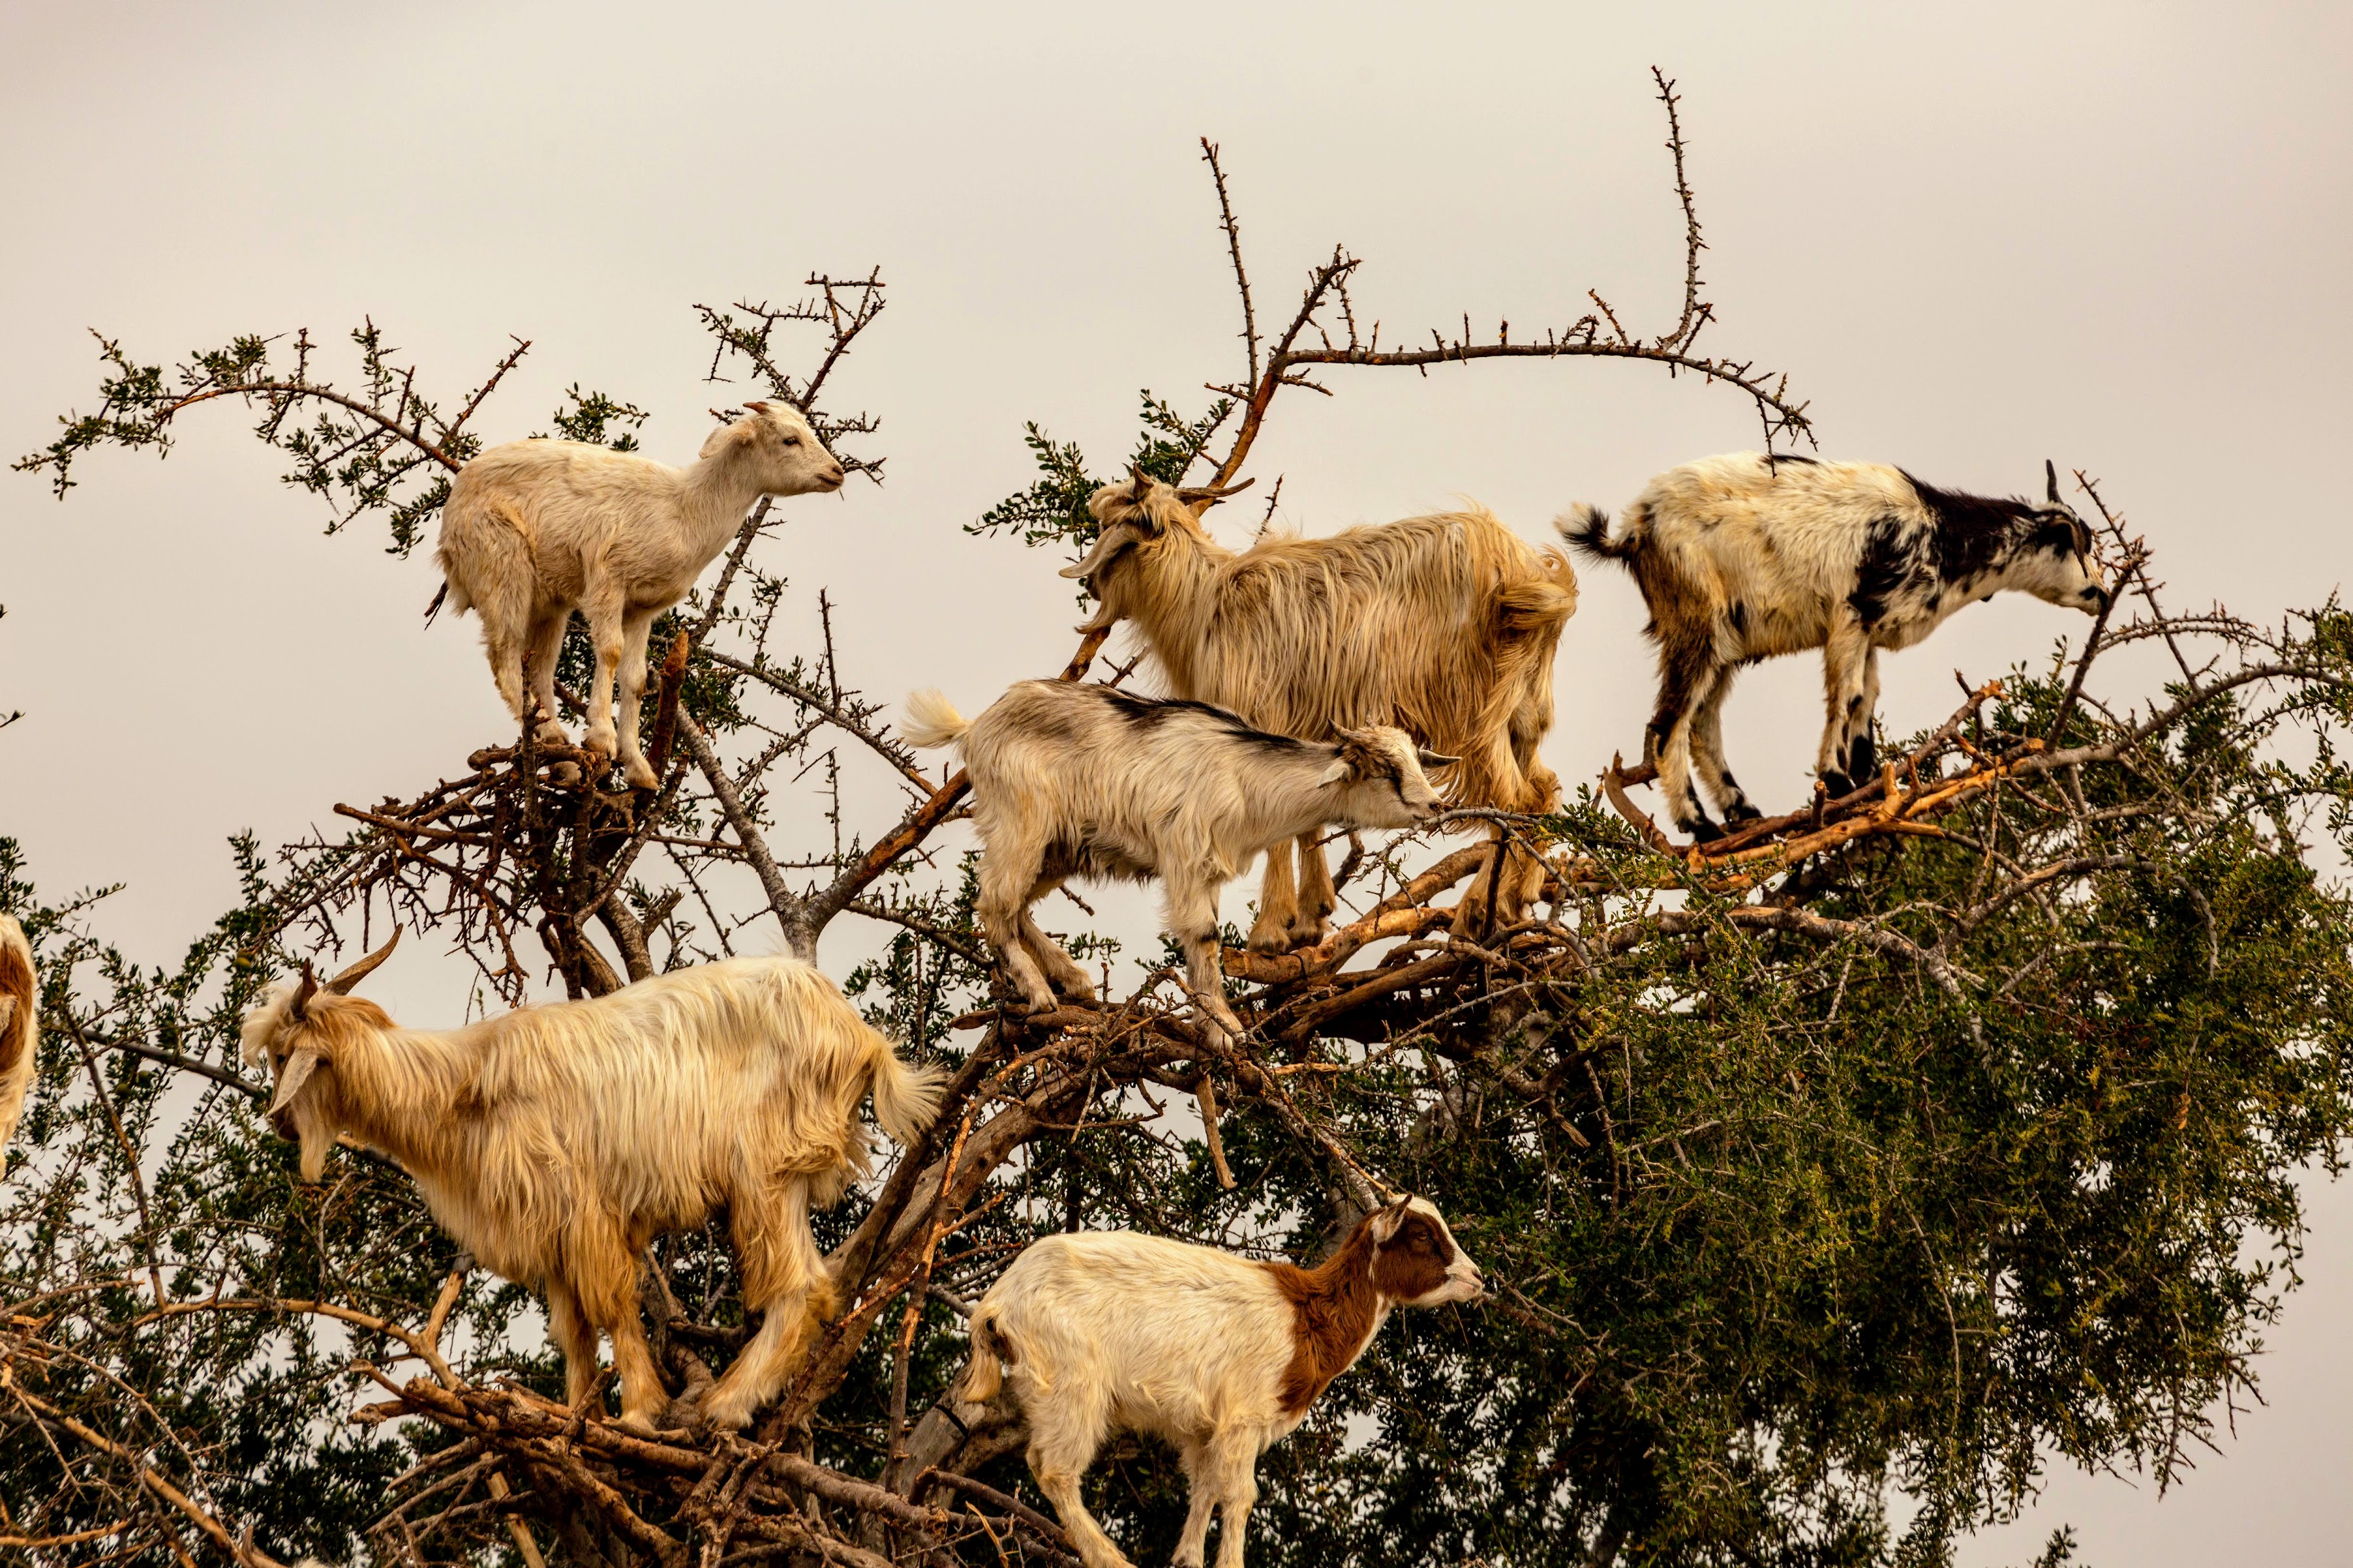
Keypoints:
pixel 1827 1182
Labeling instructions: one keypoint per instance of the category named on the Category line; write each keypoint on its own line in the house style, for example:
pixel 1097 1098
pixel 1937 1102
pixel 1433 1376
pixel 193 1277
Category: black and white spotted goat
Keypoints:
pixel 1742 557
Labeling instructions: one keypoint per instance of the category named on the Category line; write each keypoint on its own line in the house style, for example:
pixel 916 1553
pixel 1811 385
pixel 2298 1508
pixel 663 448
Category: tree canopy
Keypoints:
pixel 1829 1182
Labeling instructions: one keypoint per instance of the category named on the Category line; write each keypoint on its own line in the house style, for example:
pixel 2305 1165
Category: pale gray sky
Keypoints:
pixel 1975 236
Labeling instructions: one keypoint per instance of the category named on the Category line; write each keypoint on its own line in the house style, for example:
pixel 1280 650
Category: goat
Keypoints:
pixel 1072 780
pixel 1745 556
pixel 20 1018
pixel 555 1143
pixel 1444 626
pixel 535 530
pixel 1220 1355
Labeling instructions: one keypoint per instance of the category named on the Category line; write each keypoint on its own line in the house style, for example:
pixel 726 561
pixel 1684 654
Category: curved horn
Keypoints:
pixel 2050 480
pixel 1213 492
pixel 1143 482
pixel 295 1009
pixel 1435 760
pixel 757 407
pixel 341 984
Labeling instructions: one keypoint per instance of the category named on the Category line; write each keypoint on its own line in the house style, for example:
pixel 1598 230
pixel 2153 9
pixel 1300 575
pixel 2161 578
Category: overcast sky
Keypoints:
pixel 2114 235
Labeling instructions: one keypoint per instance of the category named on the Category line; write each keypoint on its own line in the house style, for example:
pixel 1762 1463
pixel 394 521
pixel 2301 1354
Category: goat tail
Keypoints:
pixel 20 1009
pixel 984 1374
pixel 932 721
pixel 906 1098
pixel 1587 529
pixel 434 608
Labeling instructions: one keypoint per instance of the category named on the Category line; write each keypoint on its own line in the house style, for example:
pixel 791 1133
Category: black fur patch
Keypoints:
pixel 1775 459
pixel 1739 616
pixel 1151 712
pixel 1974 533
pixel 1885 564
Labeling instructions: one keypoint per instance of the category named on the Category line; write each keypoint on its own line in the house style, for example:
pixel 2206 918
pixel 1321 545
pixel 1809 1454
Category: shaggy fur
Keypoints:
pixel 1219 1355
pixel 1070 780
pixel 1444 626
pixel 535 530
pixel 555 1143
pixel 20 1018
pixel 1741 557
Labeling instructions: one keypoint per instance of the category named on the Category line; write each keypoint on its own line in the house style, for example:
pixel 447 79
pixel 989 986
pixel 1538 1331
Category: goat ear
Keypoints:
pixel 341 984
pixel 7 1010
pixel 293 1075
pixel 1430 759
pixel 2050 480
pixel 1386 1220
pixel 727 436
pixel 299 1008
pixel 1341 768
pixel 1114 539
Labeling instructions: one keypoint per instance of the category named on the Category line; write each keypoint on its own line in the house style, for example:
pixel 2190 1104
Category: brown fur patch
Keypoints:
pixel 18 983
pixel 1336 1304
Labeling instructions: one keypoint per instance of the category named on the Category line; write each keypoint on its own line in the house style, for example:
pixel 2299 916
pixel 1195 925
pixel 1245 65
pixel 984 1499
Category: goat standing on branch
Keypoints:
pixel 1745 556
pixel 1084 780
pixel 555 1143
pixel 20 1017
pixel 1444 627
pixel 1220 1355
pixel 535 530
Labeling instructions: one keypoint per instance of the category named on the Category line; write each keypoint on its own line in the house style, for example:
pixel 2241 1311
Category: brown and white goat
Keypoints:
pixel 535 530
pixel 1444 626
pixel 20 1018
pixel 1072 780
pixel 555 1143
pixel 1742 557
pixel 1219 1355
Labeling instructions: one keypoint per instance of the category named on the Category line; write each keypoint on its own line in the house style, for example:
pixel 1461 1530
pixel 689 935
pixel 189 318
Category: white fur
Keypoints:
pixel 555 1143
pixel 535 530
pixel 1076 780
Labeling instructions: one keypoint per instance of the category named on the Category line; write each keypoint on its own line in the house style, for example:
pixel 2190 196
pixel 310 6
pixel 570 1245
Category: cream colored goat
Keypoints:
pixel 1444 626
pixel 1220 1355
pixel 535 530
pixel 20 1018
pixel 555 1143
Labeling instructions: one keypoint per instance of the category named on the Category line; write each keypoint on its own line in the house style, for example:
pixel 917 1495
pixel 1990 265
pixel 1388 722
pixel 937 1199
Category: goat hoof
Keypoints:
pixel 1744 812
pixel 1703 831
pixel 639 774
pixel 1838 783
pixel 1270 941
pixel 565 773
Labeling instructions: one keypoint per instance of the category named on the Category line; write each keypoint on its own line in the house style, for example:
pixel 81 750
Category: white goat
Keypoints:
pixel 20 1018
pixel 1742 557
pixel 1219 1355
pixel 535 530
pixel 1072 780
pixel 555 1143
pixel 1444 626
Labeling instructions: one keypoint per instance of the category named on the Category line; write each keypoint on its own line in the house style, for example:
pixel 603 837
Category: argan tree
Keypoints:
pixel 1840 1174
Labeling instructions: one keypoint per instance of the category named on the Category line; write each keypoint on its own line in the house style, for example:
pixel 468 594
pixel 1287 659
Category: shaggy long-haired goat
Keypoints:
pixel 1444 626
pixel 1070 780
pixel 535 530
pixel 1219 1355
pixel 20 1018
pixel 555 1143
pixel 1742 557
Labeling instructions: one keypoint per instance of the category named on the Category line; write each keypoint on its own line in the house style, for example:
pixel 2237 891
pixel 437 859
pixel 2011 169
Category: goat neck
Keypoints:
pixel 717 491
pixel 391 1088
pixel 1337 1309
pixel 1172 588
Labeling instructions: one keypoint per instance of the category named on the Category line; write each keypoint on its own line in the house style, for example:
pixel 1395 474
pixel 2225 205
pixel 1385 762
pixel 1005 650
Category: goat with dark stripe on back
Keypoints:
pixel 1746 556
pixel 1071 780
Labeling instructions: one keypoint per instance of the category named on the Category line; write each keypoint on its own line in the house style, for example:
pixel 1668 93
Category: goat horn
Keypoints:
pixel 2050 478
pixel 341 984
pixel 757 407
pixel 1143 482
pixel 302 994
pixel 1214 492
